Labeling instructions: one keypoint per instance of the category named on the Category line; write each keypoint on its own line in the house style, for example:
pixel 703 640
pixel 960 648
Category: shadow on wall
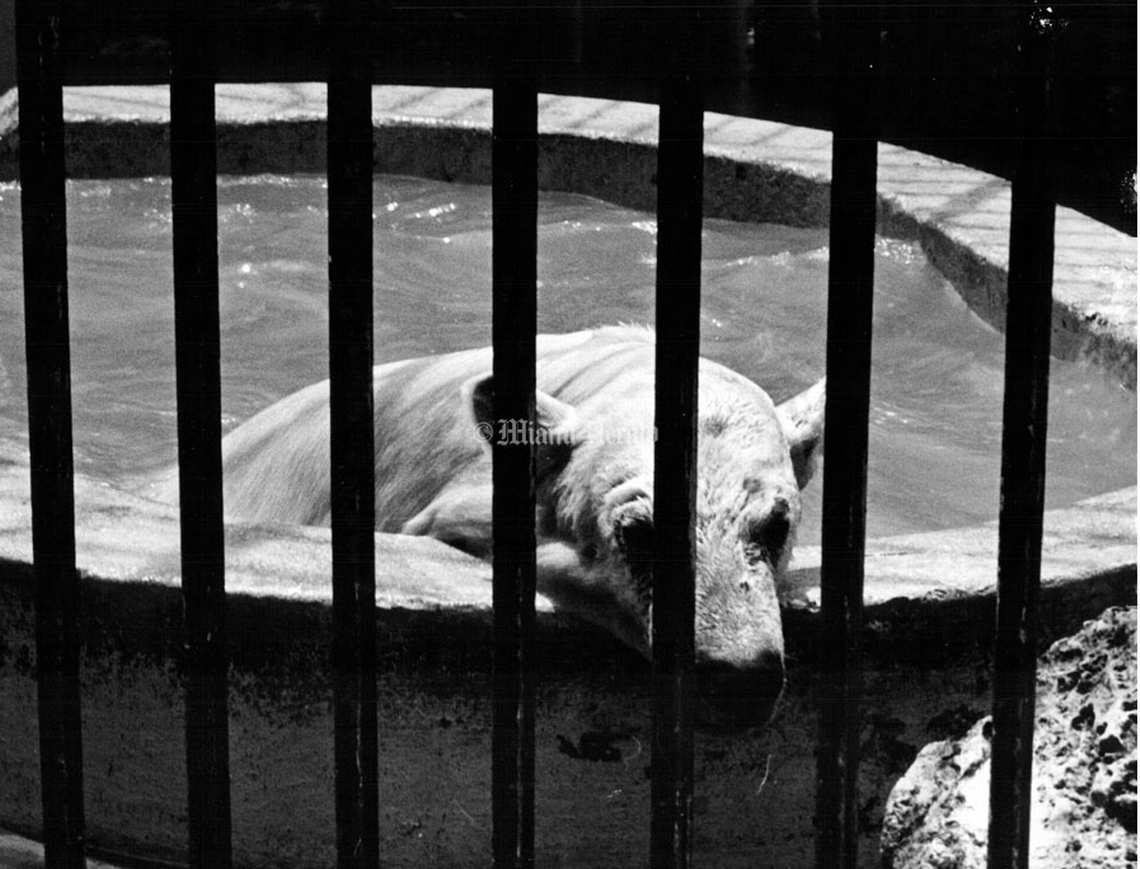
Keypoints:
pixel 948 74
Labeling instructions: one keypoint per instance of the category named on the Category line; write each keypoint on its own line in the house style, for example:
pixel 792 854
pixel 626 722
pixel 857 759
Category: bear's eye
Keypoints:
pixel 766 536
pixel 634 534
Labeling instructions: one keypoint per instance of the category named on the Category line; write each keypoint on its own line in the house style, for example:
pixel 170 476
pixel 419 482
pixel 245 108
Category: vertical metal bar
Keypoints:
pixel 352 435
pixel 1028 330
pixel 1024 420
pixel 680 176
pixel 514 193
pixel 849 316
pixel 44 223
pixel 193 170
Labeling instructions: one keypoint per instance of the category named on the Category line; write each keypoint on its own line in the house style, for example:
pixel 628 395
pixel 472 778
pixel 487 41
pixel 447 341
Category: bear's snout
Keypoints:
pixel 737 695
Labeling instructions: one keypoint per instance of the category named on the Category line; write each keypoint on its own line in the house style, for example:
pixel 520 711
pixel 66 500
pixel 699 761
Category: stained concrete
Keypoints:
pixel 927 646
pixel 930 596
pixel 926 665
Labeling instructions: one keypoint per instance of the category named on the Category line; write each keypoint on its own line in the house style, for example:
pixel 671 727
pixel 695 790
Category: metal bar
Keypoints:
pixel 193 170
pixel 43 213
pixel 1028 332
pixel 849 316
pixel 1024 432
pixel 352 436
pixel 514 192
pixel 680 174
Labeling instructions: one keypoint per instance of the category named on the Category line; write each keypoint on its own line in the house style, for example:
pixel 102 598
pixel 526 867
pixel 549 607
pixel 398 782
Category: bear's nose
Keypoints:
pixel 740 695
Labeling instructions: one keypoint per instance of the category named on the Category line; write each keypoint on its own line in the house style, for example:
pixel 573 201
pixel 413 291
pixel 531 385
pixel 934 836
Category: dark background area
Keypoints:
pixel 950 71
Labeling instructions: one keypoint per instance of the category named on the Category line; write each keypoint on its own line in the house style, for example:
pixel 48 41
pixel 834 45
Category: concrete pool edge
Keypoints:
pixel 755 171
pixel 433 610
pixel 1088 554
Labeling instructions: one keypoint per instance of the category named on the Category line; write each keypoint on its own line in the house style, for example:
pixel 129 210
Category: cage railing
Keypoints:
pixel 194 201
pixel 1029 330
pixel 352 436
pixel 681 78
pixel 44 229
pixel 514 206
pixel 852 36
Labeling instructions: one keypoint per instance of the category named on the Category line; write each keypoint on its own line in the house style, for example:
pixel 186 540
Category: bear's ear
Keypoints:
pixel 556 424
pixel 802 420
pixel 550 414
pixel 479 394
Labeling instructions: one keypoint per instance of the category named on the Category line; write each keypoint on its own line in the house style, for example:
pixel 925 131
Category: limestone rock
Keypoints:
pixel 1084 768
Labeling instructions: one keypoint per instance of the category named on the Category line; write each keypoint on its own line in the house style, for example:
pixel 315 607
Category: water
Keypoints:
pixel 937 377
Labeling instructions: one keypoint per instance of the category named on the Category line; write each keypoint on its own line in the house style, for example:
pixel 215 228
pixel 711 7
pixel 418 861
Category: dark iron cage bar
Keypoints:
pixel 353 492
pixel 193 172
pixel 852 33
pixel 516 68
pixel 679 203
pixel 514 207
pixel 1024 427
pixel 44 230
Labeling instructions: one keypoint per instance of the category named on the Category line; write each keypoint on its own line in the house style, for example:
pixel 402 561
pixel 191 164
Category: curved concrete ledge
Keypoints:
pixel 755 171
pixel 930 596
pixel 927 642
pixel 1088 555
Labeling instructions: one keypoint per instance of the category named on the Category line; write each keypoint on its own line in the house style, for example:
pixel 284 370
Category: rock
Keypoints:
pixel 1084 768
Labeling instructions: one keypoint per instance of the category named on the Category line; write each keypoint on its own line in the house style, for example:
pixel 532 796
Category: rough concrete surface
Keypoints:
pixel 926 671
pixel 754 789
pixel 1084 768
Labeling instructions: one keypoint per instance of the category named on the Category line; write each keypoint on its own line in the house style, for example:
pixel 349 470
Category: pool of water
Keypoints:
pixel 937 377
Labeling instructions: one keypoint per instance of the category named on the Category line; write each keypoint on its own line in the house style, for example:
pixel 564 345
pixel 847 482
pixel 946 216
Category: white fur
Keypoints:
pixel 433 476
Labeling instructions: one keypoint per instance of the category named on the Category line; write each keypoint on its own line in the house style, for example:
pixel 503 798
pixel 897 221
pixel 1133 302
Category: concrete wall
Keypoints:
pixel 927 648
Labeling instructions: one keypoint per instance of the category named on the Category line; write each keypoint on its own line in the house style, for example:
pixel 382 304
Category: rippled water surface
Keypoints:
pixel 936 403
